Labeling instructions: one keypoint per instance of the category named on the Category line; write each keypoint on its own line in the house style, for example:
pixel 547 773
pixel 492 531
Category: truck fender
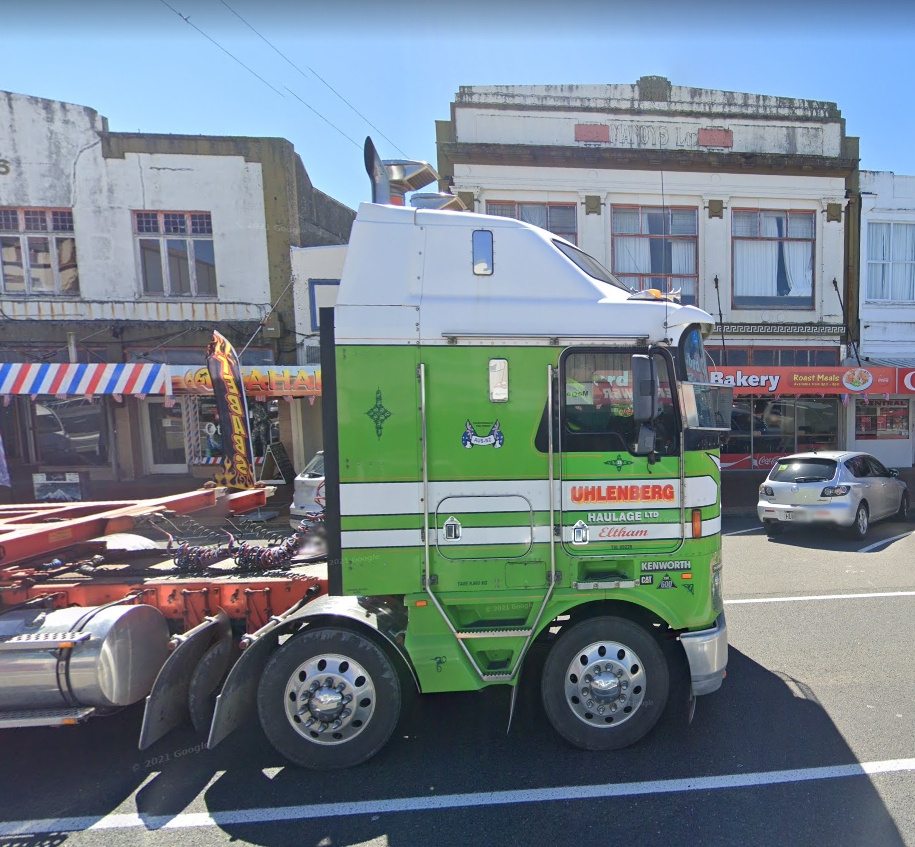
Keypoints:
pixel 238 699
pixel 377 620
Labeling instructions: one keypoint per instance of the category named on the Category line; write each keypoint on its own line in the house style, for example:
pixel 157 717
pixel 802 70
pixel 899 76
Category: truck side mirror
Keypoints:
pixel 645 399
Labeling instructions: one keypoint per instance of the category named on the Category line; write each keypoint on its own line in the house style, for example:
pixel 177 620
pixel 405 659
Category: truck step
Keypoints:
pixel 45 717
pixel 493 633
pixel 603 584
pixel 495 677
pixel 39 640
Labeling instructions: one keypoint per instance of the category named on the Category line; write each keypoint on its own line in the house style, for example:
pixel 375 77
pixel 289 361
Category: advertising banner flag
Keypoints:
pixel 232 407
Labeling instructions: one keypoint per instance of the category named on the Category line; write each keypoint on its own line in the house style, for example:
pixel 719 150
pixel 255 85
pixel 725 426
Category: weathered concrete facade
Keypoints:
pixel 653 144
pixel 81 208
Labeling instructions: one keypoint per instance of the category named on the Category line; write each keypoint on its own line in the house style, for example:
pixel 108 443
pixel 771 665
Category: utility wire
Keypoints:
pixel 187 20
pixel 264 318
pixel 324 81
pixel 348 138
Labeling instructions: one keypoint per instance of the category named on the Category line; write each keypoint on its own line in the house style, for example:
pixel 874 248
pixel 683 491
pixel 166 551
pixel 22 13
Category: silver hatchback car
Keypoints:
pixel 832 487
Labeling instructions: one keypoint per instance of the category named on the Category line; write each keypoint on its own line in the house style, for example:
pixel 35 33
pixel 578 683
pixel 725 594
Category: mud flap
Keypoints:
pixel 167 703
pixel 209 673
pixel 238 699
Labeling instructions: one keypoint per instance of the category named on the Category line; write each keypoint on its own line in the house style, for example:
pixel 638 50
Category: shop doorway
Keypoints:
pixel 163 437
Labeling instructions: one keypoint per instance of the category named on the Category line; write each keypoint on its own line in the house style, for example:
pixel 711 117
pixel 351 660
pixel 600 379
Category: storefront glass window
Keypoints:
pixel 71 431
pixel 882 419
pixel 264 418
pixel 773 430
pixel 817 424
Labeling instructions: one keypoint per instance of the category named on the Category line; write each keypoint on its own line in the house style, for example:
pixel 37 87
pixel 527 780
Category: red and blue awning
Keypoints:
pixel 83 379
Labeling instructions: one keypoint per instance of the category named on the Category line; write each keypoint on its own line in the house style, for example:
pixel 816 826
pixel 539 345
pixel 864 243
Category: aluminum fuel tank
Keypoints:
pixel 115 666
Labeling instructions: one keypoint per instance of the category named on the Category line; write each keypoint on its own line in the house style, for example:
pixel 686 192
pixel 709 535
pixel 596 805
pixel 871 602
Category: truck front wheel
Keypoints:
pixel 329 698
pixel 605 683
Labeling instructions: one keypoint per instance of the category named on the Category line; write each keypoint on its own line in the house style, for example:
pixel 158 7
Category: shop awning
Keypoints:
pixel 82 379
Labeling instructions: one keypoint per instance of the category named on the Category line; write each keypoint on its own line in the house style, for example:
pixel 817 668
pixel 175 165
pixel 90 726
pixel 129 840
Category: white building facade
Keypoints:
pixel 745 203
pixel 121 253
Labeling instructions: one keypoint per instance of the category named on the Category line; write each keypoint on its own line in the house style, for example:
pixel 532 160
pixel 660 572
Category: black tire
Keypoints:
pixel 369 679
pixel 903 513
pixel 862 522
pixel 646 694
pixel 773 528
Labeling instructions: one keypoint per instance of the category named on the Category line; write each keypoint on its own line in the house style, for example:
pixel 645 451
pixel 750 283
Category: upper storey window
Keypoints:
pixel 176 253
pixel 891 262
pixel 558 218
pixel 773 259
pixel 38 253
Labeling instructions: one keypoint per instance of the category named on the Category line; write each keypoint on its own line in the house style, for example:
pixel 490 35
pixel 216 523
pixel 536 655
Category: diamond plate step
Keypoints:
pixel 38 640
pixel 493 633
pixel 45 717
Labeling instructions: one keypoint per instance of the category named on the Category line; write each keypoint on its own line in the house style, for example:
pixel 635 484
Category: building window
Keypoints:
pixel 71 431
pixel 891 262
pixel 773 259
pixel 881 419
pixel 38 252
pixel 560 219
pixel 780 357
pixel 656 247
pixel 176 253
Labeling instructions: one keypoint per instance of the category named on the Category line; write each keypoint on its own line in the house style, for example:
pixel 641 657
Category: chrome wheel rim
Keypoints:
pixel 862 520
pixel 330 699
pixel 605 684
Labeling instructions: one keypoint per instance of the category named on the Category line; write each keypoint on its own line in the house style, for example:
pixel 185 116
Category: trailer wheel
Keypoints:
pixel 329 698
pixel 605 683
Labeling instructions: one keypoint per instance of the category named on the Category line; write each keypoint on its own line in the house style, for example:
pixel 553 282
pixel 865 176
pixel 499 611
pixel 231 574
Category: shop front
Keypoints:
pixel 778 411
pixel 122 430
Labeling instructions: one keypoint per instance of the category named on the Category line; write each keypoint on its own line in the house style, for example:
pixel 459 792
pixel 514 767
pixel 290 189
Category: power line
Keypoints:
pixel 348 138
pixel 187 20
pixel 322 80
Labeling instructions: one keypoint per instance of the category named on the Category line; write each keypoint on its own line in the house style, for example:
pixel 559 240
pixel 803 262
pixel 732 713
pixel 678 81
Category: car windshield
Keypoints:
pixel 315 467
pixel 590 265
pixel 803 470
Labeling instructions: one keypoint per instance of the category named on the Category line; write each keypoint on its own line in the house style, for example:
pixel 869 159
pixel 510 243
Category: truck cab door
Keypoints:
pixel 614 501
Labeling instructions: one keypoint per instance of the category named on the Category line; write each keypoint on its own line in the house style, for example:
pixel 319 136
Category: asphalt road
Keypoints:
pixel 811 740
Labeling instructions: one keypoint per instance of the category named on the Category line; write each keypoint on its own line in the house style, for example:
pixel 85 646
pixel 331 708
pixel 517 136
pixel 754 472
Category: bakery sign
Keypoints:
pixel 275 381
pixel 762 380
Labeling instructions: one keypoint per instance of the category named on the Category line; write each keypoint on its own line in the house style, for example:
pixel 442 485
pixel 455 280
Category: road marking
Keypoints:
pixel 197 820
pixel 877 544
pixel 820 597
pixel 742 531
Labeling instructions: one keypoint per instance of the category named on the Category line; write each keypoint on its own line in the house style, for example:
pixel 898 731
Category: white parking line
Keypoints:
pixel 196 820
pixel 807 597
pixel 877 544
pixel 742 531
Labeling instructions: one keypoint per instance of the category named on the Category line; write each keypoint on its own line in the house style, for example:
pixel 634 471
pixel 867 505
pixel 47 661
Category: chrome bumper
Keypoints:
pixel 707 654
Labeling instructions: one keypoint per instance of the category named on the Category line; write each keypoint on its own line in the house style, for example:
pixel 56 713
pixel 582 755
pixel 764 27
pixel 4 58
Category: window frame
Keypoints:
pixel 162 237
pixel 53 235
pixel 779 302
pixel 671 277
pixel 877 301
pixel 571 237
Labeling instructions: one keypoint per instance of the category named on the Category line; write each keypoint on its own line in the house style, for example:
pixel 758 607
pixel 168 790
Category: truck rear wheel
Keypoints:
pixel 329 698
pixel 605 683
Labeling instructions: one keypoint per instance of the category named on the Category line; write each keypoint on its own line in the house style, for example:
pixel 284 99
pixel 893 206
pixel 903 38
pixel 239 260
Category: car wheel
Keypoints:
pixel 862 522
pixel 605 683
pixel 903 513
pixel 329 698
pixel 773 528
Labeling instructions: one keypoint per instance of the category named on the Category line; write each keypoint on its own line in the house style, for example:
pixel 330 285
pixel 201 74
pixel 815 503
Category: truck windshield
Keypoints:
pixel 590 265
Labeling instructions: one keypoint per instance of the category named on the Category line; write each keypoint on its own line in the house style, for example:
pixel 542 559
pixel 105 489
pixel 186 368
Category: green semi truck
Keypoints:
pixel 518 449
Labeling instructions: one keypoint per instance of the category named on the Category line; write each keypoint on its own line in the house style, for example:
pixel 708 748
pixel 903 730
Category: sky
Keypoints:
pixel 399 64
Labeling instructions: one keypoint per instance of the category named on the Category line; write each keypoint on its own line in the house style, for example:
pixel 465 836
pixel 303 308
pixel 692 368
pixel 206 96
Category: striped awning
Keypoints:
pixel 83 379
